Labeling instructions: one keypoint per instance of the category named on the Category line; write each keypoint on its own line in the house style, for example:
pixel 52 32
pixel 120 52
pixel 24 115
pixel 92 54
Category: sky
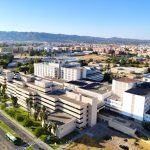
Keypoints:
pixel 100 18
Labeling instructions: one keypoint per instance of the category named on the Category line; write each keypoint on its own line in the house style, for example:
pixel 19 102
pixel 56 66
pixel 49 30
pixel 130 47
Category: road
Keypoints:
pixel 5 144
pixel 24 135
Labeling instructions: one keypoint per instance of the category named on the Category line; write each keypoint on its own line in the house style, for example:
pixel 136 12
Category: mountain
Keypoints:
pixel 49 37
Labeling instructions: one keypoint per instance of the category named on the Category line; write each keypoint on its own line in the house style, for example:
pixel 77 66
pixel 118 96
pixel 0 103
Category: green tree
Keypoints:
pixel 28 123
pixel 18 64
pixel 35 115
pixel 14 101
pixel 39 131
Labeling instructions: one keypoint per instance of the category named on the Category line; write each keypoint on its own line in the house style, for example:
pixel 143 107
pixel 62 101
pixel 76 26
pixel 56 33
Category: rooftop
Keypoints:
pixel 78 83
pixel 141 89
pixel 97 87
pixel 60 118
pixel 65 97
pixel 126 80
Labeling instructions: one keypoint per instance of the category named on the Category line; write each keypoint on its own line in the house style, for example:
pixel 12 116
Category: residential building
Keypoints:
pixel 73 73
pixel 47 69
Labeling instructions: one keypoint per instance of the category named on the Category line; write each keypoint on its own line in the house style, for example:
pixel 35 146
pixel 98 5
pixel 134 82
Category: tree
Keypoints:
pixel 3 89
pixel 14 101
pixel 35 105
pixel 31 69
pixel 54 126
pixel 29 104
pixel 18 64
pixel 43 108
pixel 39 131
pixel 28 123
pixel 35 115
pixel 49 126
pixel 45 117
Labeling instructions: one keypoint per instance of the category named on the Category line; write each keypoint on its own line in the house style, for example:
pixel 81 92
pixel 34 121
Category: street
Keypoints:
pixel 24 135
pixel 5 144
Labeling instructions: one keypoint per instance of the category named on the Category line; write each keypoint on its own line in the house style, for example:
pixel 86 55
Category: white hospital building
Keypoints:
pixel 59 70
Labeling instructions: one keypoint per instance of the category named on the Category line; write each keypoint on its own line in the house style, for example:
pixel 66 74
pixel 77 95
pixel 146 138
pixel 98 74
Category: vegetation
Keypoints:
pixel 108 77
pixel 125 62
pixel 30 148
pixel 5 60
pixel 4 127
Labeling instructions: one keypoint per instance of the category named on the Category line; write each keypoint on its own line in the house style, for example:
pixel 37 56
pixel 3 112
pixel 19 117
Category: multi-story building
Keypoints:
pixel 47 69
pixel 136 102
pixel 54 97
pixel 131 98
pixel 73 73
pixel 122 84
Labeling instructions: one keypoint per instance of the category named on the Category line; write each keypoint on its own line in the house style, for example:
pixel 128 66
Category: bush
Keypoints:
pixel 43 138
pixel 10 112
pixel 19 117
pixel 39 131
pixel 28 123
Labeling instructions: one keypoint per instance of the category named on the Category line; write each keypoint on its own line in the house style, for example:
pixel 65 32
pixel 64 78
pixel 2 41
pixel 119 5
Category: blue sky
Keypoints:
pixel 103 18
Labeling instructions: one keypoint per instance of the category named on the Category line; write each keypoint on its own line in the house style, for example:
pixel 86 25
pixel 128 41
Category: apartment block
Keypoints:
pixel 47 69
pixel 65 71
pixel 73 73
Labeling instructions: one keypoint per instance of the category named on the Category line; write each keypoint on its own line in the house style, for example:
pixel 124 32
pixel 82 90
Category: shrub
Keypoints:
pixel 10 112
pixel 19 118
pixel 39 131
pixel 43 138
pixel 27 122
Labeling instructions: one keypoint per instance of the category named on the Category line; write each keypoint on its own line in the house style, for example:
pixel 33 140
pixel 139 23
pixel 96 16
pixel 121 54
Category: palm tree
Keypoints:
pixel 43 108
pixel 54 126
pixel 41 114
pixel 35 106
pixel 45 117
pixel 29 105
pixel 14 101
pixel 38 110
pixel 3 89
pixel 0 89
pixel 49 126
pixel 35 115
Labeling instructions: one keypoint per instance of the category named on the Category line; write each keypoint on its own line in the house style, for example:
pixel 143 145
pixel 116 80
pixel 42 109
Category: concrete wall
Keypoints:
pixel 133 106
pixel 122 128
pixel 66 129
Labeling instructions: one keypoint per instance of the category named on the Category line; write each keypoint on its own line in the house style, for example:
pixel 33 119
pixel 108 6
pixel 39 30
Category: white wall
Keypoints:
pixel 133 106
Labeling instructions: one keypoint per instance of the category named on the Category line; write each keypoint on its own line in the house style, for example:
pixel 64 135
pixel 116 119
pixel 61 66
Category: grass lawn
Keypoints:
pixel 4 127
pixel 30 148
pixel 55 146
pixel 24 113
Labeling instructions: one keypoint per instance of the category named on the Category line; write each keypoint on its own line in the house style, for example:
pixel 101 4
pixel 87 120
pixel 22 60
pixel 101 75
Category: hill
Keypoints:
pixel 49 37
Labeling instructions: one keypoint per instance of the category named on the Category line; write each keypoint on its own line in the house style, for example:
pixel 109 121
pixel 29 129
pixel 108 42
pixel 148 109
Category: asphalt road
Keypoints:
pixel 5 144
pixel 25 137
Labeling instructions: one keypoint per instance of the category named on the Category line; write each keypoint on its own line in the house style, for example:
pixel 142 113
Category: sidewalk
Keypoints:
pixel 36 140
